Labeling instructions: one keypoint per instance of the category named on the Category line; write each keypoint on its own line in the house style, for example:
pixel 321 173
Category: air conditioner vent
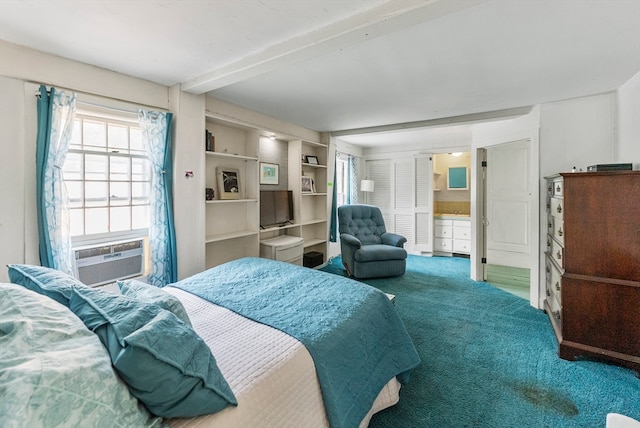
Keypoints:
pixel 106 263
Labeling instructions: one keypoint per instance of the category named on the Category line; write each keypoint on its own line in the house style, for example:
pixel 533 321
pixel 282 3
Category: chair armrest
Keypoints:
pixel 393 239
pixel 350 240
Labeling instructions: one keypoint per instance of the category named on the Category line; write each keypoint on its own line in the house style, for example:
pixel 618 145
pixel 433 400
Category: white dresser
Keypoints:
pixel 284 248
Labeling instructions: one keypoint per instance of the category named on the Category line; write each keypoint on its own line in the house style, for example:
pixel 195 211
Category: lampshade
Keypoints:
pixel 366 185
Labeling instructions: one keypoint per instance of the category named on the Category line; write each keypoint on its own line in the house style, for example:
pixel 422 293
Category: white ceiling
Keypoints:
pixel 334 65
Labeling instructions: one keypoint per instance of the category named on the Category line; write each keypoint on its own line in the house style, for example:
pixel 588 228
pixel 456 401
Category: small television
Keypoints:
pixel 276 207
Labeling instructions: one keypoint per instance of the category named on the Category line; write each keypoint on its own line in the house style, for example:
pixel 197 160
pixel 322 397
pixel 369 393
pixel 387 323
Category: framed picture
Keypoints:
pixel 269 173
pixel 457 178
pixel 229 186
pixel 307 185
pixel 313 160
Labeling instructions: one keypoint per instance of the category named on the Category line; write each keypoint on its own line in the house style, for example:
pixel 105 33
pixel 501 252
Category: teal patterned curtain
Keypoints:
pixel 156 135
pixel 352 197
pixel 56 112
pixel 333 225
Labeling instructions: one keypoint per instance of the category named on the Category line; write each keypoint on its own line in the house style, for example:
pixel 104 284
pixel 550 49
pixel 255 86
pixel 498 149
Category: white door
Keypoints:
pixel 403 191
pixel 510 206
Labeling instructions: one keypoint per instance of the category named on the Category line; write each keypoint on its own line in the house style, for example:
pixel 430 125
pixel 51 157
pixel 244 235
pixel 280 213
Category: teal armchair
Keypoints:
pixel 368 250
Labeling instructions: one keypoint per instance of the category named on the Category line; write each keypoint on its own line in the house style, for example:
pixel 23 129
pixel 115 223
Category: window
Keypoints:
pixel 342 180
pixel 108 178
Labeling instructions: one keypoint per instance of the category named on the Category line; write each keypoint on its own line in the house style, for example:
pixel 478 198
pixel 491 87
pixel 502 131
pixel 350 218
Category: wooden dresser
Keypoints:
pixel 592 265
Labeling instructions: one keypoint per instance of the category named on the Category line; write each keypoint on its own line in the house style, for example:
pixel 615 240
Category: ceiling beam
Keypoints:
pixel 375 22
pixel 453 120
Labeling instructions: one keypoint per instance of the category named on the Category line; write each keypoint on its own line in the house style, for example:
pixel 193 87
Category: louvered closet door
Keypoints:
pixel 423 209
pixel 405 198
pixel 379 171
pixel 403 185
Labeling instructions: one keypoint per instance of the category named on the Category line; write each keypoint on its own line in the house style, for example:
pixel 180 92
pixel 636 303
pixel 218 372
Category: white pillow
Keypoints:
pixel 55 372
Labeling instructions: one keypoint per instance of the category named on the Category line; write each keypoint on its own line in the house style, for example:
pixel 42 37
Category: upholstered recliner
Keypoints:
pixel 368 250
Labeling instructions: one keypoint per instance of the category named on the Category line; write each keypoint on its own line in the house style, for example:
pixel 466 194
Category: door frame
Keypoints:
pixel 478 204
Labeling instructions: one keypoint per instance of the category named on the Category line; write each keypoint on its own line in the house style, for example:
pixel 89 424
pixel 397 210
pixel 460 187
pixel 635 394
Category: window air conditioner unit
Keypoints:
pixel 110 262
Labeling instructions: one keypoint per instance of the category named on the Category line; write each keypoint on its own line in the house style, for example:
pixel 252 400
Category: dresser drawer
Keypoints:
pixel 462 246
pixel 558 187
pixel 555 284
pixel 462 232
pixel 555 307
pixel 445 245
pixel 557 208
pixel 557 253
pixel 558 230
pixel 442 231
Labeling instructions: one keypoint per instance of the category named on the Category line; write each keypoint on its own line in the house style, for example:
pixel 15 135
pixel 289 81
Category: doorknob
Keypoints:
pixel 485 222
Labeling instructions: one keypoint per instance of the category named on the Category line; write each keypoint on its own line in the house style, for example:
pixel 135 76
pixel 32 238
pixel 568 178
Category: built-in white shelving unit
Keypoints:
pixel 310 207
pixel 232 225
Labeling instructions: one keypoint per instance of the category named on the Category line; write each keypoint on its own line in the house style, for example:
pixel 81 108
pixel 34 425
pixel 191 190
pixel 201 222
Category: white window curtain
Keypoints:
pixel 56 112
pixel 156 137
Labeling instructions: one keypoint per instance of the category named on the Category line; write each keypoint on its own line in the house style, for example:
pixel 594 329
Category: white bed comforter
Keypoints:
pixel 271 374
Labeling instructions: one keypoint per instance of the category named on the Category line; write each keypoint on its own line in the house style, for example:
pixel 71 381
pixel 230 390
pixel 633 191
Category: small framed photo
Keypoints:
pixel 229 186
pixel 307 185
pixel 269 173
pixel 313 160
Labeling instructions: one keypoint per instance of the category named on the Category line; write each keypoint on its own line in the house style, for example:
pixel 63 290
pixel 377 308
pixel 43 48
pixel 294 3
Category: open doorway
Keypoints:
pixel 509 226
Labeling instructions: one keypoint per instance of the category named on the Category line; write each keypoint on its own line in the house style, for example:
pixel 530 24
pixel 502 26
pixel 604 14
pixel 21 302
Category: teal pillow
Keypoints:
pixel 152 294
pixel 166 365
pixel 46 281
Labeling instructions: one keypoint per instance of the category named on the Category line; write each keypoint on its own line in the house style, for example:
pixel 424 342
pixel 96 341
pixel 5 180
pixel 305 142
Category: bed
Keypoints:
pixel 261 343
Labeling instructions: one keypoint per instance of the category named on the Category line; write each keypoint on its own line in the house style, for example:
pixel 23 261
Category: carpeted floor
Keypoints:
pixel 489 359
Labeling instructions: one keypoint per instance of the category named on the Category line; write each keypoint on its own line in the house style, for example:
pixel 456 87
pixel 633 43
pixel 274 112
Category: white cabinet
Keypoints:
pixel 443 232
pixel 283 248
pixel 452 236
pixel 462 236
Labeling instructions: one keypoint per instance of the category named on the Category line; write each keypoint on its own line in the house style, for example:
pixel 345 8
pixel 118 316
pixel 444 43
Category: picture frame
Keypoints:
pixel 229 185
pixel 269 173
pixel 457 178
pixel 313 160
pixel 307 185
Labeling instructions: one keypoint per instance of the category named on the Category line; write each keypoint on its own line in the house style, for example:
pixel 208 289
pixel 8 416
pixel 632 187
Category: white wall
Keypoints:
pixel 577 132
pixel 20 68
pixel 627 147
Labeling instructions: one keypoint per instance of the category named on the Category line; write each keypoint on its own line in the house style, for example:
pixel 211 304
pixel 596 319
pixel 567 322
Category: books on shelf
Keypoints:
pixel 209 141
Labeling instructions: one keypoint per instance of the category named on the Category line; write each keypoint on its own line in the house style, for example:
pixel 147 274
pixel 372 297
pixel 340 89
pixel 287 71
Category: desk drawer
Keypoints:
pixel 286 254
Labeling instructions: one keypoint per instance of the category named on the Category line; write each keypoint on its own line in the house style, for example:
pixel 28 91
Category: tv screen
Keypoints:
pixel 276 207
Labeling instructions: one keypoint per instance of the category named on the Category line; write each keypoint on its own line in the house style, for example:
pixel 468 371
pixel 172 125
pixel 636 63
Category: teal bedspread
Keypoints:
pixel 352 331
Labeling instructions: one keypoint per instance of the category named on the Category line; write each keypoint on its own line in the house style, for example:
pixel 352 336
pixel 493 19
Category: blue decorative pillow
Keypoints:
pixel 166 365
pixel 152 294
pixel 46 281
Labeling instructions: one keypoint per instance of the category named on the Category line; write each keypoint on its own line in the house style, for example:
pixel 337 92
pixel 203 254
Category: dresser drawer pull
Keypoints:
pixel 548 270
pixel 556 314
pixel 559 209
pixel 558 188
pixel 557 286
pixel 560 232
pixel 548 293
pixel 559 255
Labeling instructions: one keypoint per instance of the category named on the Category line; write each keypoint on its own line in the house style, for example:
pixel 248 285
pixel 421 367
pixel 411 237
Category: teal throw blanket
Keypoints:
pixel 352 331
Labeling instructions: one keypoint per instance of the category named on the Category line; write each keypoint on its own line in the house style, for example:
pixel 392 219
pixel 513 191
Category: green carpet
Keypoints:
pixel 489 359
